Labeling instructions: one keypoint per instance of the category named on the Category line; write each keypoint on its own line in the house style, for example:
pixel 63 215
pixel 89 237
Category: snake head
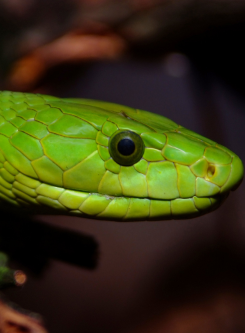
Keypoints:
pixel 107 161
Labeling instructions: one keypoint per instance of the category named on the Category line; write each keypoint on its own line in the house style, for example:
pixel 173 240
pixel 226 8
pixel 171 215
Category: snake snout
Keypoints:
pixel 236 175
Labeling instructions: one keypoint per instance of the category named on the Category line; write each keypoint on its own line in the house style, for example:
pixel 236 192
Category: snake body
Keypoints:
pixel 58 156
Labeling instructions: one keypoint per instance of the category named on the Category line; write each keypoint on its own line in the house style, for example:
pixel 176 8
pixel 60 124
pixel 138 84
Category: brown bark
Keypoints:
pixel 12 321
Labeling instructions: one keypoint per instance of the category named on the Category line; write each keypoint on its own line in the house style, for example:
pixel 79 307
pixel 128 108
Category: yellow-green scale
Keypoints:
pixel 54 155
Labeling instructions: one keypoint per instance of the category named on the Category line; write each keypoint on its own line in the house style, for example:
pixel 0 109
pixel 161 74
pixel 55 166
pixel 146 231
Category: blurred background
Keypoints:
pixel 183 59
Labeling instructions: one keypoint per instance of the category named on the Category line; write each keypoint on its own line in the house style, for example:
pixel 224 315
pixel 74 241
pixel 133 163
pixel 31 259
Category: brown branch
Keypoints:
pixel 12 321
pixel 70 48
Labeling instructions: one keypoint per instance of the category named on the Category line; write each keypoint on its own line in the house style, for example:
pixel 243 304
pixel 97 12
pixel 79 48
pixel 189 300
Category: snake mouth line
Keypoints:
pixel 216 197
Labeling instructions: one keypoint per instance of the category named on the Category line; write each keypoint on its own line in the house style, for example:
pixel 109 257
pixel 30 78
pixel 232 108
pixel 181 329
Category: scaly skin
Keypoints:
pixel 54 157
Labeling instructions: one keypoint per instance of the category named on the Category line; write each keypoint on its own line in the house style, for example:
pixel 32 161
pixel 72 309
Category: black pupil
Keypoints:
pixel 126 147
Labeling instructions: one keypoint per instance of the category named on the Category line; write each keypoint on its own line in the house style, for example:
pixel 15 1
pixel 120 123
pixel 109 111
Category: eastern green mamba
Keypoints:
pixel 107 161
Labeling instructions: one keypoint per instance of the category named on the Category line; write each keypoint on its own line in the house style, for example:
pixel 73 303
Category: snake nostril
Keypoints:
pixel 210 171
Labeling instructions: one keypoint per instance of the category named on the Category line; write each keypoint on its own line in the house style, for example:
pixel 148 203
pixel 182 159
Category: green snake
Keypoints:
pixel 107 161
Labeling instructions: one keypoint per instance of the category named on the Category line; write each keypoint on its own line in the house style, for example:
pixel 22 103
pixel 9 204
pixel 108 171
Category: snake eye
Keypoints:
pixel 126 147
